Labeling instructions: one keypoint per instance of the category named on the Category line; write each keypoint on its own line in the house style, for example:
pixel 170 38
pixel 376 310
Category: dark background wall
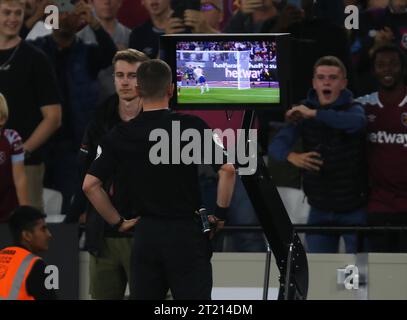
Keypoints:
pixel 63 253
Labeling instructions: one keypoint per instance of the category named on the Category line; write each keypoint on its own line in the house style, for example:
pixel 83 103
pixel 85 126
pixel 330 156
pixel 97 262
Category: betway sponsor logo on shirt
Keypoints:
pixel 384 137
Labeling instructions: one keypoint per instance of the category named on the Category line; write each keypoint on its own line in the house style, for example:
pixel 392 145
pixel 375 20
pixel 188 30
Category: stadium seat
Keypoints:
pixel 52 206
pixel 297 207
pixel 296 204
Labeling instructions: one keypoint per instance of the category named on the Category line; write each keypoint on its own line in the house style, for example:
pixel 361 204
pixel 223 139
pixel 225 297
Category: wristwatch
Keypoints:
pixel 27 155
pixel 117 226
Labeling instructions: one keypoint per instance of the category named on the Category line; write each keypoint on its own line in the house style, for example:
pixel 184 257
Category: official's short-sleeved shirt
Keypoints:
pixel 11 151
pixel 150 156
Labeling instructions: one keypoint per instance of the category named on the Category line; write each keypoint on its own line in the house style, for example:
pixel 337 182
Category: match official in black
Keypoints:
pixel 170 250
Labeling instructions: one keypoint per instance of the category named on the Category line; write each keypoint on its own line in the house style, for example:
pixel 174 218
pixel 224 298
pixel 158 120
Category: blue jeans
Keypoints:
pixel 328 243
pixel 241 212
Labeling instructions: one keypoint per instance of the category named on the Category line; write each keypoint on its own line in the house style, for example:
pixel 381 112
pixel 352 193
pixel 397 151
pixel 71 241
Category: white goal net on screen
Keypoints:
pixel 243 69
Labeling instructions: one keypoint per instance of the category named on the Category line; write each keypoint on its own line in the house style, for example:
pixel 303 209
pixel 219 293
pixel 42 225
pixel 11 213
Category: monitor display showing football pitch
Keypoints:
pixel 227 72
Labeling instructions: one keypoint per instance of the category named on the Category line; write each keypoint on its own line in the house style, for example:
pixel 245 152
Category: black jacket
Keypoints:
pixel 337 133
pixel 341 184
pixel 105 118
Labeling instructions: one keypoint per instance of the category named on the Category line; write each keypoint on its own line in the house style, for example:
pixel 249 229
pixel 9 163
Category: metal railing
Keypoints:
pixel 361 231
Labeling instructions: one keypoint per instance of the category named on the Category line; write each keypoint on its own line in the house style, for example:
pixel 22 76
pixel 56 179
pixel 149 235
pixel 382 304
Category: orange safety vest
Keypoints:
pixel 15 266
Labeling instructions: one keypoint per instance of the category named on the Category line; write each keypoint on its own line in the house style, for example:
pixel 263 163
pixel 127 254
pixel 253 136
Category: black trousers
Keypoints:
pixel 387 241
pixel 170 254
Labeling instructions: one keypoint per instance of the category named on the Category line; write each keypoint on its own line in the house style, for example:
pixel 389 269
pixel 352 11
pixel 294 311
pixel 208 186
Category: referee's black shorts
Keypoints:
pixel 171 254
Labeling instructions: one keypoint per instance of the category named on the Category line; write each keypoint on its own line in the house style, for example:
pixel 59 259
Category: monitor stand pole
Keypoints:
pixel 282 239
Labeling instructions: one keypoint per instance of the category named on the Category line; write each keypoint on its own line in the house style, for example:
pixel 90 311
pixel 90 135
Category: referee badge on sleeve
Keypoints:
pixel 98 152
pixel 218 140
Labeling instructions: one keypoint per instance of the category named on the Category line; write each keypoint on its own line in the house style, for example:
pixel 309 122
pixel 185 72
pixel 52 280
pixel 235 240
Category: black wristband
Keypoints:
pixel 117 226
pixel 27 155
pixel 221 213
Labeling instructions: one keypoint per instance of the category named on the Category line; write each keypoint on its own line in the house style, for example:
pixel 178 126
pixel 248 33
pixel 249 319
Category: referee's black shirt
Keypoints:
pixel 161 190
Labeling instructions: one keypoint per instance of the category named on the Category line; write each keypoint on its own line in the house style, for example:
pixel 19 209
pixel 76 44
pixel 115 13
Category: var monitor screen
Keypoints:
pixel 235 71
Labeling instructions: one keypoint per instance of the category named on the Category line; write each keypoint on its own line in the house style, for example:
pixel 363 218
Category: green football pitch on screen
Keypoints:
pixel 229 95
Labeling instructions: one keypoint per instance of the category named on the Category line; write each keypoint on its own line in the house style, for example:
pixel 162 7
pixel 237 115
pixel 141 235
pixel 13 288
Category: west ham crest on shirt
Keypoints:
pixel 404 119
pixel 2 157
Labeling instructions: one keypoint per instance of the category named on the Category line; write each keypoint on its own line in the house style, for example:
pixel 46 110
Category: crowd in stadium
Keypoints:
pixel 259 51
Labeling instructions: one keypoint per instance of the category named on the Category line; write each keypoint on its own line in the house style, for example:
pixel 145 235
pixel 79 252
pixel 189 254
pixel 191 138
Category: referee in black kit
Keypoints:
pixel 170 249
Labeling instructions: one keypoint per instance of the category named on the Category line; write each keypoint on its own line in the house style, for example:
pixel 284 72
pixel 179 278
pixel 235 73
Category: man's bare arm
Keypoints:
pixel 51 121
pixel 20 182
pixel 93 189
pixel 226 185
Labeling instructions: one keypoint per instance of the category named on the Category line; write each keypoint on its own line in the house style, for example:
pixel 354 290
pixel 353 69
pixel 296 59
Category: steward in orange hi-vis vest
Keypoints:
pixel 15 266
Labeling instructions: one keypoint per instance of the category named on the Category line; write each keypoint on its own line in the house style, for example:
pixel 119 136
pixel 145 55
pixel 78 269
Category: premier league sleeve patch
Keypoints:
pixel 217 140
pixel 98 152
